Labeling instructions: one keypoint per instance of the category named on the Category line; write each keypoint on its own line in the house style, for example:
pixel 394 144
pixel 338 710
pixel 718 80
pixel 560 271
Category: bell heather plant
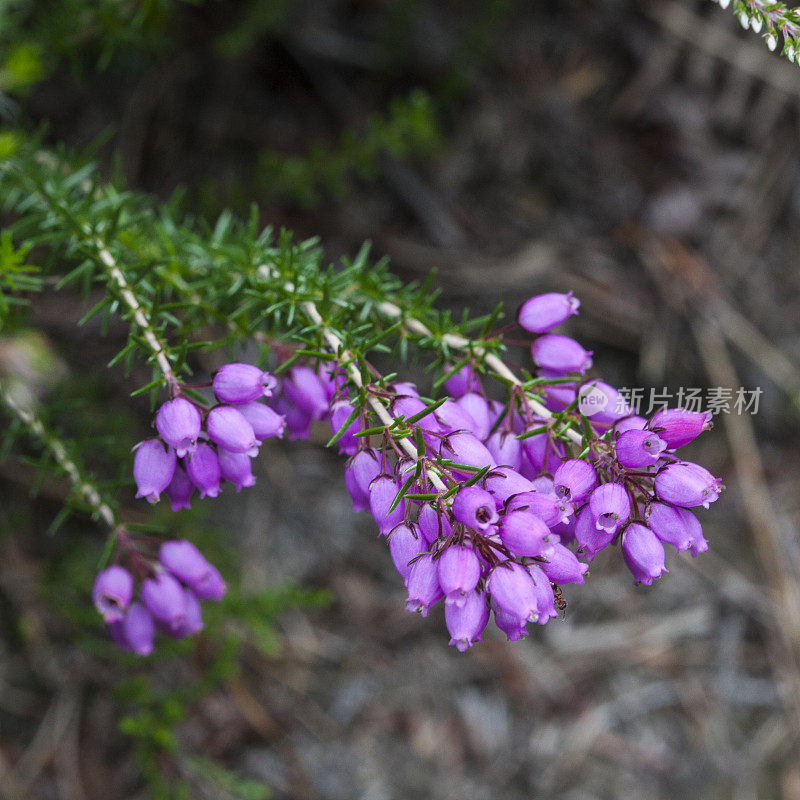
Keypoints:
pixel 493 487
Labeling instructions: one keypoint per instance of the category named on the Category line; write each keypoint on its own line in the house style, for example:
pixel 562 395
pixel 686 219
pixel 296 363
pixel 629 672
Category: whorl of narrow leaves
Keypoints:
pixel 773 21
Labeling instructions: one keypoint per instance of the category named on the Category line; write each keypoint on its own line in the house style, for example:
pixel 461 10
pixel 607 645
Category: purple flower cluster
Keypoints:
pixel 169 596
pixel 198 448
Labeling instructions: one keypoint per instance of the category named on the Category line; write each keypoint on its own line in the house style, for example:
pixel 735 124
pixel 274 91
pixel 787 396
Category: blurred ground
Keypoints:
pixel 644 155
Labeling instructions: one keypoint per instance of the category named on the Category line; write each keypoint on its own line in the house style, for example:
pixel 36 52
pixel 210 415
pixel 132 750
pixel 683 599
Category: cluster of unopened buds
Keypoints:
pixel 503 504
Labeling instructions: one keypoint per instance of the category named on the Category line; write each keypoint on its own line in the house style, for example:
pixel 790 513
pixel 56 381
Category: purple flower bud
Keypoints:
pixel 188 564
pixel 305 390
pixel 637 449
pixel 610 506
pixel 423 585
pixel 165 600
pixel 298 422
pixel 510 624
pixel 230 430
pixel 340 411
pixel 523 533
pixel 153 468
pixel 504 482
pixel 466 622
pixel 359 472
pixel 560 354
pixel 112 592
pixel 563 567
pixel 236 468
pixel 544 454
pixel 242 383
pixel 513 591
pixel 544 506
pixel 463 448
pixel 432 523
pixel 193 618
pixel 459 572
pixel 178 424
pixel 405 544
pixel 382 492
pixel 404 387
pixel 631 423
pixel 202 467
pixel 687 484
pixel 544 312
pixel 180 489
pixel 643 553
pixel 589 538
pixel 478 409
pixel 678 426
pixel 136 631
pixel 505 448
pixel 602 402
pixel 265 421
pixel 463 381
pixel 574 479
pixel 677 526
pixel 545 599
pixel 474 507
pixel 451 417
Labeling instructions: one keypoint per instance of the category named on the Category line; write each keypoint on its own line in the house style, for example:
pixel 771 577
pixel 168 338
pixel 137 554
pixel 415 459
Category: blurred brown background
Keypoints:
pixel 644 155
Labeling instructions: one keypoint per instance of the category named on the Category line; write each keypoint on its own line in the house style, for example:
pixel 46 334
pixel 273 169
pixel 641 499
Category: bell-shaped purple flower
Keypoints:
pixel 405 387
pixel 165 600
pixel 588 537
pixel 543 452
pixel 463 381
pixel 305 390
pixel 504 482
pixel 228 428
pixel 153 468
pixel 242 383
pixel 560 354
pixel 545 599
pixel 359 472
pixel 297 422
pixel 476 406
pixel 433 523
pixel 265 421
pixel 546 507
pixel 563 567
pixel 202 467
pixel 513 591
pixel 382 492
pixel 523 533
pixel 340 412
pixel 178 424
pixel 610 506
pixel 544 312
pixel 643 553
pixel 475 508
pixel 192 620
pixel 450 417
pixel 630 423
pixel 602 403
pixel 687 484
pixel 677 526
pixel 511 625
pixel 236 468
pixel 188 564
pixel 405 544
pixel 459 571
pixel 678 426
pixel 462 447
pixel 423 585
pixel 505 448
pixel 638 449
pixel 136 631
pixel 112 592
pixel 574 479
pixel 180 489
pixel 465 622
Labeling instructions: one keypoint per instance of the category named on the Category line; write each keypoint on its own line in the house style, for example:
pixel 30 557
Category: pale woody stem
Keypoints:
pixel 385 417
pixel 83 488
